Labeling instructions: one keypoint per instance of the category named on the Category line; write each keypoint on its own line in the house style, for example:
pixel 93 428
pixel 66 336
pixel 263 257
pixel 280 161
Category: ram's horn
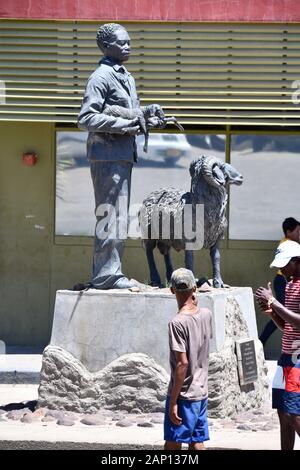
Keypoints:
pixel 207 170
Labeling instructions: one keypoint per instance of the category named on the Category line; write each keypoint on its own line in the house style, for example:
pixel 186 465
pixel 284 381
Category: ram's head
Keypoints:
pixel 215 172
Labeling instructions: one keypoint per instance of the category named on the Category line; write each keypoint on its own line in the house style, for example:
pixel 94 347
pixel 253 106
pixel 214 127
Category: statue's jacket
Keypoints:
pixel 109 84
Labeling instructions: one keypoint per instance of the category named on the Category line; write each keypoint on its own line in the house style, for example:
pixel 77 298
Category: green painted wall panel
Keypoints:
pixel 26 208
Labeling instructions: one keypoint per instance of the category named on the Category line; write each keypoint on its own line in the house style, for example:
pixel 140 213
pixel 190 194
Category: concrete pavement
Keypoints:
pixel 15 434
pixel 49 435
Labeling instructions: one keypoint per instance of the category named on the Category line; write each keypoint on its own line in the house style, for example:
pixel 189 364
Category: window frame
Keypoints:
pixel 227 243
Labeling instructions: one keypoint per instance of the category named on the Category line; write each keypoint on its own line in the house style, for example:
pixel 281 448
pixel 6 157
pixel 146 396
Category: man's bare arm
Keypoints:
pixel 264 295
pixel 286 314
pixel 279 322
pixel 179 376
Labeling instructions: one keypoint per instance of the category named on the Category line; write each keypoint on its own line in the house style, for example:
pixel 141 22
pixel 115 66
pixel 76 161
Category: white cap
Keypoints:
pixel 284 253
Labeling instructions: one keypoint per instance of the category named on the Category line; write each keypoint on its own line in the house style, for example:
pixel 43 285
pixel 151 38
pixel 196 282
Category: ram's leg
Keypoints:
pixel 145 148
pixel 169 267
pixel 215 259
pixel 189 260
pixel 154 274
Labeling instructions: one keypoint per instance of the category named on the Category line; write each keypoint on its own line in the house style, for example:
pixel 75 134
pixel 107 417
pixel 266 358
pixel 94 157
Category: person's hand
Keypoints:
pixel 155 116
pixel 154 122
pixel 154 110
pixel 262 296
pixel 173 414
pixel 265 309
pixel 127 126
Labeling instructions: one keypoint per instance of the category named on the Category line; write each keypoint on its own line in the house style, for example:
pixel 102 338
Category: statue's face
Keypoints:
pixel 118 47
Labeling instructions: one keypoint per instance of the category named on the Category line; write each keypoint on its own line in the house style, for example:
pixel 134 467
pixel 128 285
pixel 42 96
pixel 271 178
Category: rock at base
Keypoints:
pixel 131 381
pixel 137 382
pixel 225 395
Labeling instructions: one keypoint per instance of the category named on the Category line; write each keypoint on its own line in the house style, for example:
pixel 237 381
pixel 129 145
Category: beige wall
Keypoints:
pixel 26 208
pixel 34 264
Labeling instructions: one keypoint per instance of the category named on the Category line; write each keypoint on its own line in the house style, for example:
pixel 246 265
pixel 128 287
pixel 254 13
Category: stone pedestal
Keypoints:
pixel 100 334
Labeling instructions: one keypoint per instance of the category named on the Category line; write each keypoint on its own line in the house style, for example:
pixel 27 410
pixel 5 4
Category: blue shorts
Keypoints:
pixel 194 426
pixel 286 385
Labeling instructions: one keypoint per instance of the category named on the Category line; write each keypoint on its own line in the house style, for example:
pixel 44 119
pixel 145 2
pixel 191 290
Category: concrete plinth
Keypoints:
pixel 97 327
pixel 121 338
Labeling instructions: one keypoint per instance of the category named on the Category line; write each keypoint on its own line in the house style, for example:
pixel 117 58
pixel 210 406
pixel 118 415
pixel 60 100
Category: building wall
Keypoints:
pixel 160 10
pixel 35 263
pixel 26 208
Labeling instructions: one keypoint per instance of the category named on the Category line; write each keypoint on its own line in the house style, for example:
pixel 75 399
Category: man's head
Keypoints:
pixel 291 229
pixel 183 283
pixel 287 258
pixel 114 41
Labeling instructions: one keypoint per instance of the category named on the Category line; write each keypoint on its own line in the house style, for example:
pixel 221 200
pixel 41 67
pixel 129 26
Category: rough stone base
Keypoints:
pixel 133 382
pixel 97 327
pixel 87 366
pixel 226 396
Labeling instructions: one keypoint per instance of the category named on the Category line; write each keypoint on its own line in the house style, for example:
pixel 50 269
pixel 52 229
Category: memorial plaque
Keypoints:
pixel 246 359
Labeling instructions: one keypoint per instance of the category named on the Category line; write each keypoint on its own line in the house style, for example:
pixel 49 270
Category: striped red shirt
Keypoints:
pixel 291 334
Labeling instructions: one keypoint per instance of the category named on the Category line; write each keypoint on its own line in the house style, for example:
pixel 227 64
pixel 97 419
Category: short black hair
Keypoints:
pixel 107 32
pixel 289 224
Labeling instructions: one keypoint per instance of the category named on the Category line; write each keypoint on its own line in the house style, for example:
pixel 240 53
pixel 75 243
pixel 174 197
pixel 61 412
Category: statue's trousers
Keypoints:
pixel 112 182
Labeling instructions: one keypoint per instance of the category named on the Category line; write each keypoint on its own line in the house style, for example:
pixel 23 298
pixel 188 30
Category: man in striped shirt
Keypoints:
pixel 291 230
pixel 286 384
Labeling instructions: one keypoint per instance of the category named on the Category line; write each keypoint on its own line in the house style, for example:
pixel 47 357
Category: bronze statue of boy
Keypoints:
pixel 111 149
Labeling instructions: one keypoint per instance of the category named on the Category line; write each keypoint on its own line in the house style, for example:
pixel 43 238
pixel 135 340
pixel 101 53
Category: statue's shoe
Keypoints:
pixel 141 287
pixel 123 283
pixel 82 286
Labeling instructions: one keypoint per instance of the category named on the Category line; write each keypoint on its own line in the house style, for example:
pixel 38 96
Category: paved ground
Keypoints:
pixel 257 429
pixel 44 429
